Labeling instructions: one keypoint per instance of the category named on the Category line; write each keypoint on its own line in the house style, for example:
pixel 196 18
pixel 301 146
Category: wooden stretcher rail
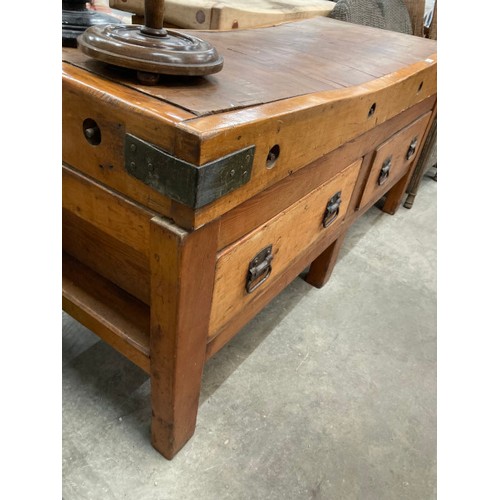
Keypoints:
pixel 113 314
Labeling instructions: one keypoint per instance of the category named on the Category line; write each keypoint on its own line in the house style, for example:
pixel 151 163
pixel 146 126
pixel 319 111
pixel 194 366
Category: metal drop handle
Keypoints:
pixel 384 171
pixel 412 148
pixel 259 269
pixel 332 209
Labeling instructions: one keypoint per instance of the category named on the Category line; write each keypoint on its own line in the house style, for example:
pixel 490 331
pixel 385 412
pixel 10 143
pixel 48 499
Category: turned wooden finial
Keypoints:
pixel 153 18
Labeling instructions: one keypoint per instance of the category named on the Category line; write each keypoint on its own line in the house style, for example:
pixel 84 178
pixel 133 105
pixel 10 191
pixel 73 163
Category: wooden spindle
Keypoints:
pixel 153 18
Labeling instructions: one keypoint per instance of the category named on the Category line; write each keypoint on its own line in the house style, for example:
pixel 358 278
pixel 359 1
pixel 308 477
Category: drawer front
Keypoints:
pixel 248 266
pixel 392 160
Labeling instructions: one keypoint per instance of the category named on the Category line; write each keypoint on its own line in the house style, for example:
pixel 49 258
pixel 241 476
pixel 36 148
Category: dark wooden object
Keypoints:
pixel 169 283
pixel 151 49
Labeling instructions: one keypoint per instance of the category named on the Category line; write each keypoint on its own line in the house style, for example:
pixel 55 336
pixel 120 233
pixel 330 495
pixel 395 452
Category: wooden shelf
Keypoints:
pixel 117 317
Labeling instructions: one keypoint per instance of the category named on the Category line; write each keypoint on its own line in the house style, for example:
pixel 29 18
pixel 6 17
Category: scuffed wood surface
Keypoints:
pixel 269 64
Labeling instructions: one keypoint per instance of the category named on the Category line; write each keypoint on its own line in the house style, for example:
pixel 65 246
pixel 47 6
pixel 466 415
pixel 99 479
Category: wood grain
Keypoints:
pixel 227 332
pixel 116 110
pixel 117 317
pixel 310 118
pixel 113 214
pixel 321 268
pixel 182 275
pixel 344 69
pixel 270 64
pixel 243 14
pixel 327 93
pixel 290 233
pixel 257 210
pixel 394 148
pixel 107 256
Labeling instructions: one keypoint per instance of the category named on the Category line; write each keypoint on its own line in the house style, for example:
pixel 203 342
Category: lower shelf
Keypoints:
pixel 104 308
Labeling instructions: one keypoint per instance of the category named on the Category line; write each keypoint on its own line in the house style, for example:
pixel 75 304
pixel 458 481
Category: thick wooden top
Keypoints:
pixel 265 65
pixel 299 91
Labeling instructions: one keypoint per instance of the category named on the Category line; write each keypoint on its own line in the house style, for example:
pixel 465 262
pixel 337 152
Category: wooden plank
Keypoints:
pixel 182 276
pixel 107 256
pixel 182 13
pixel 230 14
pixel 118 318
pixel 240 14
pixel 113 214
pixel 290 233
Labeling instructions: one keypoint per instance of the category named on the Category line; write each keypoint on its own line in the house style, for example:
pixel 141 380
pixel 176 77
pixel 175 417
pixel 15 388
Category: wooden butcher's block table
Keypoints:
pixel 189 205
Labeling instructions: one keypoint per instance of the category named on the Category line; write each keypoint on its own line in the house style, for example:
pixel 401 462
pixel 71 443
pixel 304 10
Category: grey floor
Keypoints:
pixel 327 394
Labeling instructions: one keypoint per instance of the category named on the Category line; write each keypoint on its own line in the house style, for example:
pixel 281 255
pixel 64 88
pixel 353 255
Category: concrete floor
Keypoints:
pixel 327 394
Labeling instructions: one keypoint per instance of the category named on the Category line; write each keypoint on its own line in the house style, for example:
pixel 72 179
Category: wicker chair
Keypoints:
pixel 390 15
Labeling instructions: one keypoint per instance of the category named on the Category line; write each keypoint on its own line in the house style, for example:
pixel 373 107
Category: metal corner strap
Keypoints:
pixel 192 185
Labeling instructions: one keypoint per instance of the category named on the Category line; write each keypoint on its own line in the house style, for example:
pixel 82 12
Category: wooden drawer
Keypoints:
pixel 290 233
pixel 392 160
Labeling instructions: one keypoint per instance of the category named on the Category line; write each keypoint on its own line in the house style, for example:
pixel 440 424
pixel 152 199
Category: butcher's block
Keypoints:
pixel 189 205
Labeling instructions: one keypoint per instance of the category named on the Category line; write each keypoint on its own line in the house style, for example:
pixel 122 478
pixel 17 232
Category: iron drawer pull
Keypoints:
pixel 384 171
pixel 259 269
pixel 332 209
pixel 412 148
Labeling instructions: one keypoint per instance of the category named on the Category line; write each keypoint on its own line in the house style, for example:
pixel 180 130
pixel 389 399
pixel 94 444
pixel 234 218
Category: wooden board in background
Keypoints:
pixel 230 14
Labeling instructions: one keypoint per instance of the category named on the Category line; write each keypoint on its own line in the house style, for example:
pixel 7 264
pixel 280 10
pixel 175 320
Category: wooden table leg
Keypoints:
pixel 322 267
pixel 422 165
pixel 395 195
pixel 182 279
